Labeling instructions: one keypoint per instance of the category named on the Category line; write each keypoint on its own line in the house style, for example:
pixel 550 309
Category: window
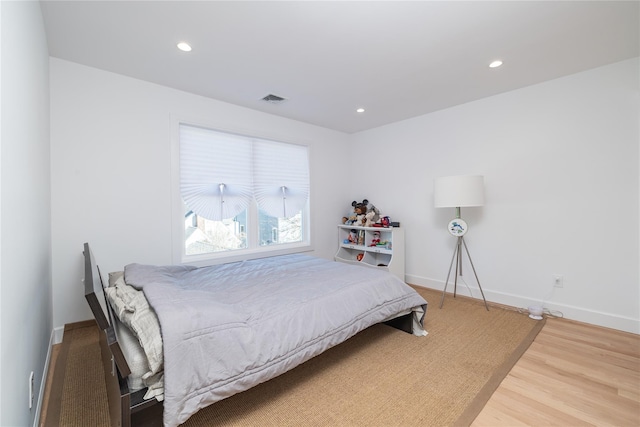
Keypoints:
pixel 241 195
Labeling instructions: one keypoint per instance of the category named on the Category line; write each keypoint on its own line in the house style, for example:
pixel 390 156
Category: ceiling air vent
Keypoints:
pixel 274 99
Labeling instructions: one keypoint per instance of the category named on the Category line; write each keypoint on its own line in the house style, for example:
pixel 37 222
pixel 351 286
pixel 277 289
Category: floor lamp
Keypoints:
pixel 457 192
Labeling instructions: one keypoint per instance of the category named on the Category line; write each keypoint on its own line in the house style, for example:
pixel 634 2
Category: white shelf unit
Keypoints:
pixel 388 257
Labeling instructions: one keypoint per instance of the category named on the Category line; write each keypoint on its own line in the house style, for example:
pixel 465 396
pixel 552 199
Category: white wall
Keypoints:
pixel 111 172
pixel 25 263
pixel 560 161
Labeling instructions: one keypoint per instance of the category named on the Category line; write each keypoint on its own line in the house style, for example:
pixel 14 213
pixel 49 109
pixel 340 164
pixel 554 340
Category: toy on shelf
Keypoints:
pixel 372 216
pixel 384 244
pixel 352 217
pixel 353 237
pixel 385 221
pixel 365 214
pixel 357 216
pixel 376 239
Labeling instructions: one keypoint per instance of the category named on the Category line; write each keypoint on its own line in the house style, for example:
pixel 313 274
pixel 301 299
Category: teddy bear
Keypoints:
pixel 357 216
pixel 351 218
pixel 364 214
pixel 372 216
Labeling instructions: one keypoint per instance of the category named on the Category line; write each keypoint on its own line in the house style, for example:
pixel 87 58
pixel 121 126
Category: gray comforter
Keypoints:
pixel 229 327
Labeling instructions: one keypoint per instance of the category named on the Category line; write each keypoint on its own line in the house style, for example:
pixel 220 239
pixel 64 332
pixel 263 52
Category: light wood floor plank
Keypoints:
pixel 565 382
pixel 573 374
pixel 580 403
pixel 615 356
pixel 618 355
pixel 587 365
pixel 595 336
pixel 511 408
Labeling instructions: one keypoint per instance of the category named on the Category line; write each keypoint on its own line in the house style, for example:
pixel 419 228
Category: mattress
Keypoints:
pixel 229 327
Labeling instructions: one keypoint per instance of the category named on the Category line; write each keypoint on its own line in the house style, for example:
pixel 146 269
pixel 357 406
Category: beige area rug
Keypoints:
pixel 380 377
pixel 78 391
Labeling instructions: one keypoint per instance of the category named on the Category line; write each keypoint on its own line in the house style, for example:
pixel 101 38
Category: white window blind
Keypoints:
pixel 281 178
pixel 221 173
pixel 215 172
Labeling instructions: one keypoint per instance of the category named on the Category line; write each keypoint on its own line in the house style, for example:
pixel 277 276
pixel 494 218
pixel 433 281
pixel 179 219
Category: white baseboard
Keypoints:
pixel 594 317
pixel 43 382
pixel 58 334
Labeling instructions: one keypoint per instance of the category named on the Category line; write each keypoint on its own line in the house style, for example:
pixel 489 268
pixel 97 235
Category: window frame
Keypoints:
pixel 254 249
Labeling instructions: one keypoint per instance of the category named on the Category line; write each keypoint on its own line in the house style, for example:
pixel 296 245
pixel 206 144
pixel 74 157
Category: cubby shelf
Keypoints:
pixel 357 246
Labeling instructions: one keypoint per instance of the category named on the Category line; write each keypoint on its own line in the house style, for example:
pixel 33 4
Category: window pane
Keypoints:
pixel 247 188
pixel 280 177
pixel 275 230
pixel 203 236
pixel 215 172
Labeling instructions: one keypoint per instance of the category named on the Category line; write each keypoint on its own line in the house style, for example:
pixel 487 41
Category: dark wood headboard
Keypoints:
pixel 126 409
pixel 93 290
pixel 94 293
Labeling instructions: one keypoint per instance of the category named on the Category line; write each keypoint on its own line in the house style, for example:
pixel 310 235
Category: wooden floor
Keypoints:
pixel 572 375
pixel 55 351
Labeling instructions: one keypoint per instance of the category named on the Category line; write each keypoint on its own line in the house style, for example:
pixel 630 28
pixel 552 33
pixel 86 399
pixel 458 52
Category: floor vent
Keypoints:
pixel 274 99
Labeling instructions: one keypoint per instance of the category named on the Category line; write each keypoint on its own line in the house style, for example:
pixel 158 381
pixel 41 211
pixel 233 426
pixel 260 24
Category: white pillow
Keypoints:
pixel 133 310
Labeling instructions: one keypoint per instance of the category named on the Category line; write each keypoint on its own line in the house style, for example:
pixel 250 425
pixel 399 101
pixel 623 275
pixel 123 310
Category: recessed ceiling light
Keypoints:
pixel 495 64
pixel 184 47
pixel 360 110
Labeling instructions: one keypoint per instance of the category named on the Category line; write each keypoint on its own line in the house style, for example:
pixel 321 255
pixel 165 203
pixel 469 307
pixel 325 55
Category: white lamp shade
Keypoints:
pixel 459 191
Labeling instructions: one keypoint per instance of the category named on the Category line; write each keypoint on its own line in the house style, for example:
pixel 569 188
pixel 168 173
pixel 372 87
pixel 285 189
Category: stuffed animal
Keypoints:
pixel 372 216
pixel 351 218
pixel 376 239
pixel 360 209
pixel 371 213
pixel 357 216
pixel 364 214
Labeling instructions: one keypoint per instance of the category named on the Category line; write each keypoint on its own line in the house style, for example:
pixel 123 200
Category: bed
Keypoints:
pixel 176 339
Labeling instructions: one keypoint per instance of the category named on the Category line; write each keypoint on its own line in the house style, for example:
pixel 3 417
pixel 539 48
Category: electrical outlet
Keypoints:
pixel 558 281
pixel 31 390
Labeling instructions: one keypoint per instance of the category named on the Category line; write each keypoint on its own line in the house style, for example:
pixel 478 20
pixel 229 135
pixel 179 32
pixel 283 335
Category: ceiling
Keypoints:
pixel 395 59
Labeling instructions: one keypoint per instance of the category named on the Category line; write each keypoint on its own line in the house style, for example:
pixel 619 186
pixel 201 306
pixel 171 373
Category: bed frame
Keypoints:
pixel 128 408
